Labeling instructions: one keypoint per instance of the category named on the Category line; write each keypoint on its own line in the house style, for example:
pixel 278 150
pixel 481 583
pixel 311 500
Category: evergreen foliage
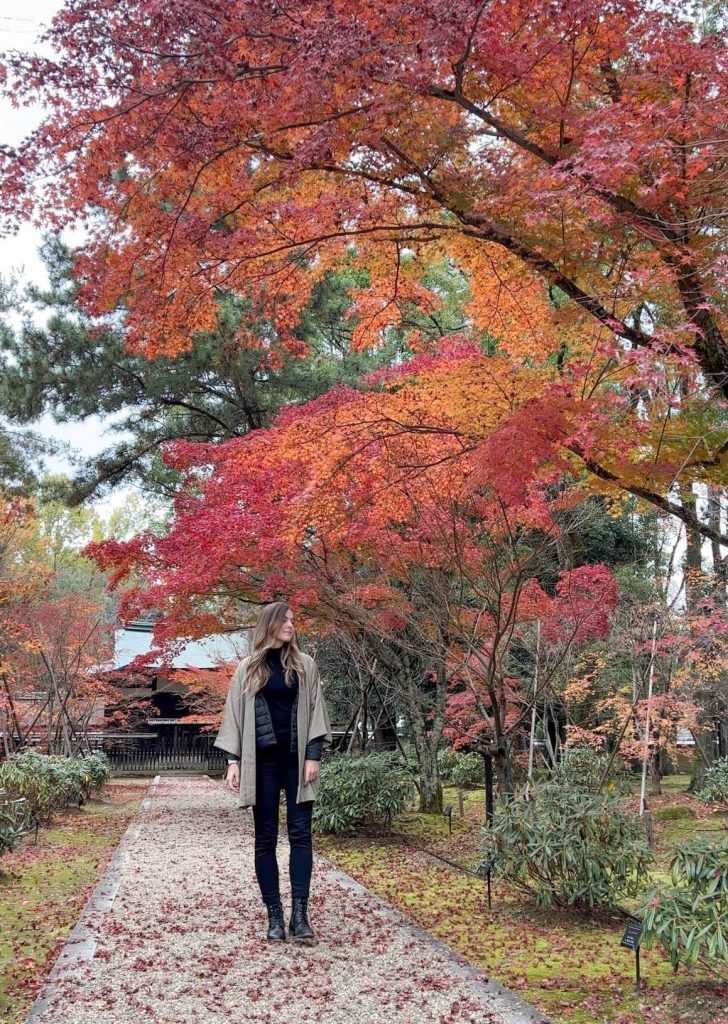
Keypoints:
pixel 569 847
pixel 468 770
pixel 715 787
pixel 49 781
pixel 689 918
pixel 361 790
pixel 585 768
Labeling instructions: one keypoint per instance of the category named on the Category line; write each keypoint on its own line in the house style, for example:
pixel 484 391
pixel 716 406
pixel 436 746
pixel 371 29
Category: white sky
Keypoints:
pixel 19 33
pixel 19 28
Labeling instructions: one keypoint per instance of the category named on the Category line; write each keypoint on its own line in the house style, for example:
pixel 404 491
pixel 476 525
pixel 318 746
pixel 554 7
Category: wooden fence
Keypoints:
pixel 178 757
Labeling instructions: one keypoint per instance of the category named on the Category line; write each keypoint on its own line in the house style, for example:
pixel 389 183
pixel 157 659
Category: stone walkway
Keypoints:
pixel 175 932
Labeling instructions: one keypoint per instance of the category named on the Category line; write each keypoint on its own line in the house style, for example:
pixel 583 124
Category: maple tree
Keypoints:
pixel 568 158
pixel 56 630
pixel 62 698
pixel 17 586
pixel 511 645
pixel 411 543
pixel 607 689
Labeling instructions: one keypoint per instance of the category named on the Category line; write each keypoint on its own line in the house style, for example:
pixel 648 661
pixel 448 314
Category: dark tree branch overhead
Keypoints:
pixel 670 237
pixel 686 515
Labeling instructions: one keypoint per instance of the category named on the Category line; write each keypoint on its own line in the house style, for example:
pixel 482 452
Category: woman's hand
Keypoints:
pixel 310 771
pixel 232 779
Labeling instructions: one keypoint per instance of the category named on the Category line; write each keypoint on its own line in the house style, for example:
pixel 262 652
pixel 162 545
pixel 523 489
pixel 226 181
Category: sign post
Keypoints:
pixel 484 872
pixel 631 940
pixel 488 789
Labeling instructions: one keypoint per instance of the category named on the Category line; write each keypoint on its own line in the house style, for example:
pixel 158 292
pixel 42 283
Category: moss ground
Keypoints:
pixel 568 964
pixel 44 885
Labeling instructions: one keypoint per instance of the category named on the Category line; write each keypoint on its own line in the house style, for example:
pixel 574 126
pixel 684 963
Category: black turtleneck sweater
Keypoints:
pixel 279 698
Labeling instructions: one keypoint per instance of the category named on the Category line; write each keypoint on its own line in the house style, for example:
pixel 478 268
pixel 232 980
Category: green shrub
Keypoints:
pixel 446 761
pixel 569 847
pixel 690 917
pixel 15 821
pixel 462 769
pixel 358 790
pixel 583 767
pixel 715 786
pixel 468 770
pixel 49 781
pixel 95 772
pixel 29 776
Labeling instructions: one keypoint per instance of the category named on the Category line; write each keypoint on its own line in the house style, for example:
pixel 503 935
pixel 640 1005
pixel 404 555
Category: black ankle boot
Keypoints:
pixel 276 923
pixel 301 930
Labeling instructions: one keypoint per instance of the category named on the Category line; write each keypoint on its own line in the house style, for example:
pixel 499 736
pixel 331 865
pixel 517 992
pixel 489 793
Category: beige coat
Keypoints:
pixel 237 730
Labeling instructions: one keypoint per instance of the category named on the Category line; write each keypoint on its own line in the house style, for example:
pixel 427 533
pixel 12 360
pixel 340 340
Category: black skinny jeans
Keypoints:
pixel 275 771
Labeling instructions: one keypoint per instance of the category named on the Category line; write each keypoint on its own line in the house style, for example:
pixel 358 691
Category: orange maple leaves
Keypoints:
pixel 246 150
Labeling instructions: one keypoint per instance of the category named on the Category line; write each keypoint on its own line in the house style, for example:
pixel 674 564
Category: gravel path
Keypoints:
pixel 175 933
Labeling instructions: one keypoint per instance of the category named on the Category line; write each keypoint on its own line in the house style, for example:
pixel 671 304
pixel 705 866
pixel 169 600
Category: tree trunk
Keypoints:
pixel 504 770
pixel 4 726
pixel 703 757
pixel 50 746
pixel 499 748
pixel 430 788
pixel 720 567
pixel 656 773
pixel 693 551
pixel 426 736
pixel 655 777
pixel 12 718
pixel 655 764
pixel 365 721
pixel 722 739
pixel 704 753
pixel 488 774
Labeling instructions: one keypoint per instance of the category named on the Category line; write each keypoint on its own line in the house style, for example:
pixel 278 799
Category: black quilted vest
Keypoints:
pixel 264 734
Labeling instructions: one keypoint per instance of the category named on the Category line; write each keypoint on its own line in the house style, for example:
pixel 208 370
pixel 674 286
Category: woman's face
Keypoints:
pixel 286 629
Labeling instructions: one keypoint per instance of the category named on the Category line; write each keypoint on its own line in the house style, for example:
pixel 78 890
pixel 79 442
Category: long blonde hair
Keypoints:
pixel 270 619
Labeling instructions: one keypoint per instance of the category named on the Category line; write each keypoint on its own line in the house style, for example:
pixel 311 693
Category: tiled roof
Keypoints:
pixel 209 652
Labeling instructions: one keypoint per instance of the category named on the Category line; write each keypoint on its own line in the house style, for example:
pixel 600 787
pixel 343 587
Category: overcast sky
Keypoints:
pixel 19 33
pixel 19 28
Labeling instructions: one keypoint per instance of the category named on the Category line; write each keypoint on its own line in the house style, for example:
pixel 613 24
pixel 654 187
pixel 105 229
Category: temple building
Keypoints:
pixel 165 713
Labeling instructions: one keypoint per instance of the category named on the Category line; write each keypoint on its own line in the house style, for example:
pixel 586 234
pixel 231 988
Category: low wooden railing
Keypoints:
pixel 179 757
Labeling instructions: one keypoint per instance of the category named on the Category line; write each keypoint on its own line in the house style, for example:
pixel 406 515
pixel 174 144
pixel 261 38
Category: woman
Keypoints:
pixel 274 729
